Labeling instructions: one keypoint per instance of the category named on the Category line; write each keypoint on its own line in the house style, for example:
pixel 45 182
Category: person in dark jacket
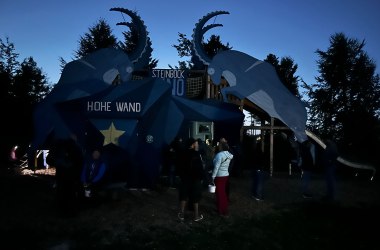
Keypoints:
pixel 329 162
pixel 191 175
pixel 93 174
pixel 175 154
pixel 258 172
pixel 67 157
pixel 307 165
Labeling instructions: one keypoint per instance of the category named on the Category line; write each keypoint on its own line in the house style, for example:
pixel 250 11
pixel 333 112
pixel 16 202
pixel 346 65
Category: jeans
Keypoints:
pixel 305 181
pixel 330 181
pixel 257 183
pixel 171 176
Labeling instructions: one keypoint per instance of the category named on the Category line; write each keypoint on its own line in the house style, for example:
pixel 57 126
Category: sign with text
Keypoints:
pixel 113 109
pixel 175 77
pixel 100 106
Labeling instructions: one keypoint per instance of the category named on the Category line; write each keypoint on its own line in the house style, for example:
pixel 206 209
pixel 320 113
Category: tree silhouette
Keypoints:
pixel 30 84
pixel 8 67
pixel 345 100
pixel 99 36
pixel 29 88
pixel 184 49
pixel 131 39
pixel 286 70
pixel 22 86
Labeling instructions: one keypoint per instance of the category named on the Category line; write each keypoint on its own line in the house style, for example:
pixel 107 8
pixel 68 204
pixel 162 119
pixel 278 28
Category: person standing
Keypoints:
pixel 191 175
pixel 258 173
pixel 67 158
pixel 329 161
pixel 220 177
pixel 202 149
pixel 13 155
pixel 307 165
pixel 218 148
pixel 176 149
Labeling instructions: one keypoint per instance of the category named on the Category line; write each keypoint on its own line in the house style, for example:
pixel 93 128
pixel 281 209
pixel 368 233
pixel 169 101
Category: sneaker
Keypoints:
pixel 256 198
pixel 307 196
pixel 181 217
pixel 328 198
pixel 224 216
pixel 199 218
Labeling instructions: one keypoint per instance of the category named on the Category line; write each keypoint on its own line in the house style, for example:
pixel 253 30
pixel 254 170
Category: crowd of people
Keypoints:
pixel 191 165
pixel 207 163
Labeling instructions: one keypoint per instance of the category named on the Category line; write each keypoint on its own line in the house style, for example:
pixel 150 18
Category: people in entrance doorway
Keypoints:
pixel 220 175
pixel 191 175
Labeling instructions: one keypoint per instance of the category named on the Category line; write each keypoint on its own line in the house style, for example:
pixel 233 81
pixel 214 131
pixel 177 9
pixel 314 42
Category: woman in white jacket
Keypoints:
pixel 220 176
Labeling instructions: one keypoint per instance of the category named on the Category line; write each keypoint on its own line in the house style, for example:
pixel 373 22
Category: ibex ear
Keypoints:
pixel 210 71
pixel 230 77
pixel 110 75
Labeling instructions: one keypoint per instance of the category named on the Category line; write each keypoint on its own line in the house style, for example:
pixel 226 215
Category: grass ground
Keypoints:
pixel 148 219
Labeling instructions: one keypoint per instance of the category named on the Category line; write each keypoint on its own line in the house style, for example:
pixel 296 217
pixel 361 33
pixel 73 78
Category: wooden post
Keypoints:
pixel 208 84
pixel 271 146
pixel 242 128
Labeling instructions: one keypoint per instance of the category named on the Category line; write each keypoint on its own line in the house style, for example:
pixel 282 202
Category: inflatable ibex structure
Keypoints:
pixel 251 78
pixel 257 81
pixel 92 74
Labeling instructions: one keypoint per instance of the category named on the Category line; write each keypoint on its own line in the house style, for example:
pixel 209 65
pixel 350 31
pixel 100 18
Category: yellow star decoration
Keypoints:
pixel 111 135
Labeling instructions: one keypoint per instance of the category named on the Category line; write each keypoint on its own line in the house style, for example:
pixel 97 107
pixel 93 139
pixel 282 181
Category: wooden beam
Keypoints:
pixel 265 127
pixel 271 147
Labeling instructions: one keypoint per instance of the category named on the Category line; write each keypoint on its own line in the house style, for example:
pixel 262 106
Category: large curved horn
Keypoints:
pixel 139 25
pixel 210 26
pixel 131 26
pixel 198 33
pixel 144 59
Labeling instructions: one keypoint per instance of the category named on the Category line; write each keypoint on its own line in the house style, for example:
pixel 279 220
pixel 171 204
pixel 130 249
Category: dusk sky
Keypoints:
pixel 47 30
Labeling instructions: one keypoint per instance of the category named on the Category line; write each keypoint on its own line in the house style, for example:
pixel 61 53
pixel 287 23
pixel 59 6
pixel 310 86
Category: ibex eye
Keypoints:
pixel 211 71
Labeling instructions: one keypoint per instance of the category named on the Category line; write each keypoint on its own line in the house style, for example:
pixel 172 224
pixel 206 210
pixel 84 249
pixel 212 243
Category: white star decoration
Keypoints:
pixel 111 135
